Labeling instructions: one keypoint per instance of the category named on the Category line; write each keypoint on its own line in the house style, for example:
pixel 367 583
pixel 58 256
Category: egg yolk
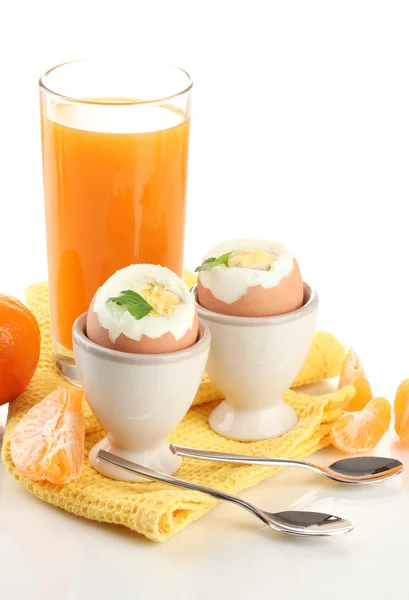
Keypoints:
pixel 252 259
pixel 164 302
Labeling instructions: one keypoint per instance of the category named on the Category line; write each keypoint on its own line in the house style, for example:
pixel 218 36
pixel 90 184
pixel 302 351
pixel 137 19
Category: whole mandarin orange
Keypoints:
pixel 19 347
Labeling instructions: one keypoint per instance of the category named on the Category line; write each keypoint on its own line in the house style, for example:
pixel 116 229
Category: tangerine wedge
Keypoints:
pixel 361 431
pixel 352 373
pixel 48 442
pixel 401 410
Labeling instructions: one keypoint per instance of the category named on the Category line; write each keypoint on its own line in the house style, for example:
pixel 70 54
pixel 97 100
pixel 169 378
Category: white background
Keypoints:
pixel 300 133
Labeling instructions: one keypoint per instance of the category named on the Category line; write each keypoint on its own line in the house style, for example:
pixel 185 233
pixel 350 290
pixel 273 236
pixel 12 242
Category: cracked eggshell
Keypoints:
pixel 258 301
pixel 146 345
pixel 118 330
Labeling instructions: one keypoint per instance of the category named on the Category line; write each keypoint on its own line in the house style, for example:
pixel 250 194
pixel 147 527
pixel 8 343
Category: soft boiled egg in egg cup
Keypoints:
pixel 262 319
pixel 140 353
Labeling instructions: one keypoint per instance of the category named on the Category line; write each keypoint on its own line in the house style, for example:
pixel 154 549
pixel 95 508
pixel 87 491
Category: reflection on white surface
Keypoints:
pixel 227 548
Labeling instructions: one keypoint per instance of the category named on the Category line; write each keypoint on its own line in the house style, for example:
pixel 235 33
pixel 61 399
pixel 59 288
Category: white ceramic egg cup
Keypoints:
pixel 253 361
pixel 138 399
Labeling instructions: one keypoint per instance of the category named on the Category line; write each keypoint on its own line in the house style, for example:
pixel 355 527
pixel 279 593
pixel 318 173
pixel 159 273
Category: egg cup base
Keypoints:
pixel 252 425
pixel 159 458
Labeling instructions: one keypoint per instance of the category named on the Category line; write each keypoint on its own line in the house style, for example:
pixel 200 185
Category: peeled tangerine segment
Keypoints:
pixel 361 431
pixel 401 410
pixel 48 442
pixel 352 373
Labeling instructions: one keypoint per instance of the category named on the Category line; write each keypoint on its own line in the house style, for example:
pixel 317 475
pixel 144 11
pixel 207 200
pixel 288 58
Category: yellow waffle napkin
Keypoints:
pixel 155 510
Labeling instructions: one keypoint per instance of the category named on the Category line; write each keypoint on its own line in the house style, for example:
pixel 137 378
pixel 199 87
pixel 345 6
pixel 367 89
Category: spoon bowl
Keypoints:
pixel 315 523
pixel 366 469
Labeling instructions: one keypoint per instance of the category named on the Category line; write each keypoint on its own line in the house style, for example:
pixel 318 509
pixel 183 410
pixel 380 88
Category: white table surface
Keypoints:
pixel 48 554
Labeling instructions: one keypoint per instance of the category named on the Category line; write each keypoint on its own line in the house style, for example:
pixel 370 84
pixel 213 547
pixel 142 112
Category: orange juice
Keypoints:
pixel 114 185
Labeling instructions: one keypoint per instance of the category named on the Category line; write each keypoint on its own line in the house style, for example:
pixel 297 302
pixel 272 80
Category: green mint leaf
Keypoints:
pixel 133 302
pixel 212 262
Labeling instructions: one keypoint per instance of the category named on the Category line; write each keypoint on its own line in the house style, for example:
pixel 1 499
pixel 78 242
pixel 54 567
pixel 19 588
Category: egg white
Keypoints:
pixel 116 319
pixel 230 283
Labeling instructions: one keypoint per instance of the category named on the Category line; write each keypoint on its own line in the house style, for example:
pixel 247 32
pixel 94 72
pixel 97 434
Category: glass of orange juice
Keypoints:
pixel 115 136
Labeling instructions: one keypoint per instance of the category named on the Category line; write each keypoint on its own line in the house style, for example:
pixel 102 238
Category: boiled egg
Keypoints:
pixel 143 309
pixel 250 278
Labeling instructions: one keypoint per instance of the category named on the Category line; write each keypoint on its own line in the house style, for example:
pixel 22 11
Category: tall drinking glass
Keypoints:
pixel 115 135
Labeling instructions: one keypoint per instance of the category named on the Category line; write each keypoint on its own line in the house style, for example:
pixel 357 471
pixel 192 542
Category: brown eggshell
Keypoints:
pixel 287 296
pixel 146 345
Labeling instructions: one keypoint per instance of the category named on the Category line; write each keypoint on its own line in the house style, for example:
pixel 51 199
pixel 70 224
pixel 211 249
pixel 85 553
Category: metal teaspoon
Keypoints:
pixel 358 470
pixel 292 522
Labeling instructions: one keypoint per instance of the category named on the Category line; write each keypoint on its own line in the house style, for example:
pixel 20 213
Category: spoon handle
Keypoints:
pixel 297 522
pixel 127 465
pixel 241 458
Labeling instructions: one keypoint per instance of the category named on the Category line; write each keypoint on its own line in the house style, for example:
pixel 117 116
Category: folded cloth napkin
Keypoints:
pixel 156 510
